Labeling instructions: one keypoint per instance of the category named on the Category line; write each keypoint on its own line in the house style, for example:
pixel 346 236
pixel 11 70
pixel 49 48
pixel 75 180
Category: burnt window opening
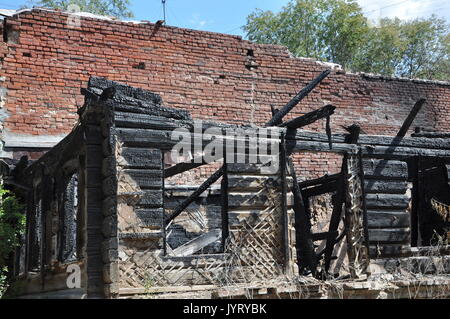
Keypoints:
pixel 430 224
pixel 250 52
pixel 198 229
pixel 320 177
pixel 68 220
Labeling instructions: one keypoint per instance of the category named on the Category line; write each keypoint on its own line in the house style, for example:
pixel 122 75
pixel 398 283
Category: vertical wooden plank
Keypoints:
pixel 224 195
pixel 282 169
pixel 306 255
pixel 94 197
pixel 336 214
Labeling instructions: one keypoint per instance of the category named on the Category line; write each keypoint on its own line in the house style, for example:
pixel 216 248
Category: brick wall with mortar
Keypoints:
pixel 44 62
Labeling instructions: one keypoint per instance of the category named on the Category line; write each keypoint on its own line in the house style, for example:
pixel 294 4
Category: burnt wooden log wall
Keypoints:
pixel 387 201
pixel 125 134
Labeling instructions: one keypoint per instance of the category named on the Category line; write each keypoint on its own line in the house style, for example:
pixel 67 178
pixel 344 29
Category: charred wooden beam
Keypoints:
pixel 325 235
pixel 374 140
pixel 284 188
pixel 336 215
pixel 305 246
pixel 310 117
pixel 412 115
pixel 183 205
pixel 396 152
pixel 318 181
pixel 183 167
pixel 354 132
pixel 431 135
pixel 300 96
pixel 320 189
pixel 274 111
pixel 364 205
pixel 224 209
pixel 328 131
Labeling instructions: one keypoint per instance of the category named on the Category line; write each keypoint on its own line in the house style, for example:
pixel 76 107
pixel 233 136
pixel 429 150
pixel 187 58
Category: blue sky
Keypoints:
pixel 228 16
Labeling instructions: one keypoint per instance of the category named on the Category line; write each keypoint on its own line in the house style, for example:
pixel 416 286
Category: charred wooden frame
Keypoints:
pixel 118 123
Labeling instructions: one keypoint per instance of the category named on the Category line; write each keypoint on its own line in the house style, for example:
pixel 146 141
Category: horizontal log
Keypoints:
pixel 173 289
pixel 140 158
pixel 150 218
pixel 389 235
pixel 131 105
pixel 385 219
pixel 146 138
pixel 385 187
pixel 321 180
pixel 146 199
pixel 386 201
pixel 249 183
pixel 432 135
pixel 375 140
pixel 139 120
pixel 299 145
pixel 141 236
pixel 320 189
pixel 134 137
pixel 144 178
pixel 397 152
pixel 246 200
pixel 151 199
pixel 250 169
pixel 386 169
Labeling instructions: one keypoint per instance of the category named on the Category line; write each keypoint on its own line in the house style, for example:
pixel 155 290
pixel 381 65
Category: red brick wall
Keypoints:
pixel 45 63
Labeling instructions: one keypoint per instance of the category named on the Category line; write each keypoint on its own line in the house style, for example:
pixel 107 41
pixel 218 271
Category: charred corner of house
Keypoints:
pixel 106 199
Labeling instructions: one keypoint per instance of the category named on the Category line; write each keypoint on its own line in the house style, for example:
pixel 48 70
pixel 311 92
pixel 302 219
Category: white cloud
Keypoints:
pixel 405 9
pixel 197 22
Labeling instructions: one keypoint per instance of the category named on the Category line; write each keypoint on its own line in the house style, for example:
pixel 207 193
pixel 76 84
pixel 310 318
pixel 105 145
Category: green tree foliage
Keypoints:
pixel 115 8
pixel 337 31
pixel 328 30
pixel 418 48
pixel 12 226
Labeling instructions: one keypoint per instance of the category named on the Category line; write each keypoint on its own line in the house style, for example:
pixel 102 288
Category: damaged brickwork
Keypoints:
pixel 44 63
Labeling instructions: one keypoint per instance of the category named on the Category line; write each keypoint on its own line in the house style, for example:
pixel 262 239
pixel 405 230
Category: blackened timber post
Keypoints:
pixel 284 187
pixel 224 195
pixel 306 255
